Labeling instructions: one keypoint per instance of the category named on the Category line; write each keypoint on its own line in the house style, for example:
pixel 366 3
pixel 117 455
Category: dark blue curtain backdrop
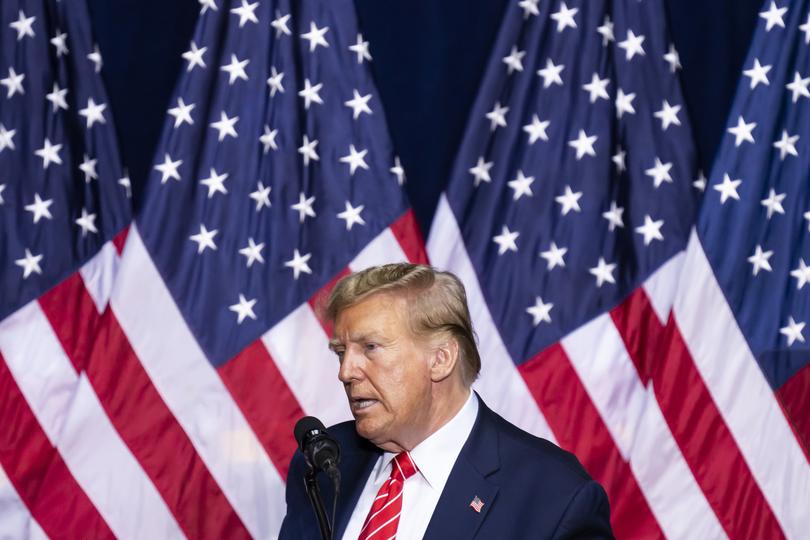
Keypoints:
pixel 429 56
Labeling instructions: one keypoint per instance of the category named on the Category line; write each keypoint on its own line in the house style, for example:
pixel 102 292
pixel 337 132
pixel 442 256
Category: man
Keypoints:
pixel 425 457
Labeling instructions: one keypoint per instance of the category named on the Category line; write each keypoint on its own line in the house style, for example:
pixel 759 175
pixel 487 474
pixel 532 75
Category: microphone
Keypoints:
pixel 321 451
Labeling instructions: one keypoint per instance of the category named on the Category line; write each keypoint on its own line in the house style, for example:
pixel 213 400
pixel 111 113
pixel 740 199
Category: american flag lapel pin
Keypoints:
pixel 477 504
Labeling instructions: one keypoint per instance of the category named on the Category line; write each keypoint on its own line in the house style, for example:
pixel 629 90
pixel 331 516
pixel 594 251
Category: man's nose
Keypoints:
pixel 349 367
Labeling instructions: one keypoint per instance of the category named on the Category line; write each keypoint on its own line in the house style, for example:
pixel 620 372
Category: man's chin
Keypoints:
pixel 368 430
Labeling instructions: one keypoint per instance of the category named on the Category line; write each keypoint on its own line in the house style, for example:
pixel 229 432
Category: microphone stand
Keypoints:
pixel 314 494
pixel 321 453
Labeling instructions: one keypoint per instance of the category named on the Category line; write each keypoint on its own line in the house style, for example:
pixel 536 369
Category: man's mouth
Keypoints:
pixel 359 404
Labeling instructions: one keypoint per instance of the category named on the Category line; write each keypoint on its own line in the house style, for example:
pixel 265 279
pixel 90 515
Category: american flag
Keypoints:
pixel 568 216
pixel 151 377
pixel 746 265
pixel 63 198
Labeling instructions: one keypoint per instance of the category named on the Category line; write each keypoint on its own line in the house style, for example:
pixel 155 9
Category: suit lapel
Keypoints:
pixel 455 515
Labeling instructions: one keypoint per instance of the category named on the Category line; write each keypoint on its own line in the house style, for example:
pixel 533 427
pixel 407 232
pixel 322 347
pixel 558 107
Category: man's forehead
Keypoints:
pixel 374 314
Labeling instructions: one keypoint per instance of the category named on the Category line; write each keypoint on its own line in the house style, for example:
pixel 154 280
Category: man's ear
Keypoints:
pixel 445 358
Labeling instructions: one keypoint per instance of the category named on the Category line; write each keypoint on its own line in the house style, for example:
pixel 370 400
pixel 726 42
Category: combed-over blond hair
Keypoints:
pixel 437 304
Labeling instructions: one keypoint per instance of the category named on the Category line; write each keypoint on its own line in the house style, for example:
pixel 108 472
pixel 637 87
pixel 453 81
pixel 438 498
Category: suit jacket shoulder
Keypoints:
pixel 529 487
pixel 536 451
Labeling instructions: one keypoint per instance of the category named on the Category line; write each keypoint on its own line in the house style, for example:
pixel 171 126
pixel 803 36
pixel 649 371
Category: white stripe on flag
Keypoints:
pixel 194 392
pixel 382 250
pixel 98 275
pixel 500 384
pixel 676 499
pixel 71 415
pixel 637 426
pixel 742 394
pixel 598 356
pixel 300 349
pixel 661 286
pixel 15 519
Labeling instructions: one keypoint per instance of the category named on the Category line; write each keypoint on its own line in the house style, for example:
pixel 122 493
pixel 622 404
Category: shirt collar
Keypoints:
pixel 436 455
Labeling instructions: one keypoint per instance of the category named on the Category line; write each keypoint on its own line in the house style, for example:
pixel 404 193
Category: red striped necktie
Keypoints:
pixel 383 518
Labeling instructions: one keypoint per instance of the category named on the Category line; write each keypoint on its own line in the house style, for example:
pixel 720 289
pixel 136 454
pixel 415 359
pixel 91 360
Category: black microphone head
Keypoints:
pixel 307 425
pixel 320 450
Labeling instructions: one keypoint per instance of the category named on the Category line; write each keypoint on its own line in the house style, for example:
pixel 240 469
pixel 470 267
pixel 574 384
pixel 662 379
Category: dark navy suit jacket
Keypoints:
pixel 530 488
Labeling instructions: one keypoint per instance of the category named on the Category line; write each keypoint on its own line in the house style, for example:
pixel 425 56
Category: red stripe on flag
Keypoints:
pixel 406 231
pixel 696 424
pixel 640 334
pixel 120 239
pixel 38 473
pixel 138 413
pixel 794 397
pixel 262 394
pixel 578 427
pixel 319 300
pixel 74 317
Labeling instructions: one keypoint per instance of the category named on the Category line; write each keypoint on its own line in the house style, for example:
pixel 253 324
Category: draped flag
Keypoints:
pixel 567 214
pixel 63 199
pixel 150 392
pixel 737 348
pixel 274 175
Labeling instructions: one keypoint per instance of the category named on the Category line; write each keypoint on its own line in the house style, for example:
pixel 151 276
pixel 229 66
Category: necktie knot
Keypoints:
pixel 403 467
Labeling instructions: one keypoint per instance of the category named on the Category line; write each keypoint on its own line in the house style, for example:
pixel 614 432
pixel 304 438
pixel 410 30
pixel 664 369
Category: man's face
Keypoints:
pixel 385 371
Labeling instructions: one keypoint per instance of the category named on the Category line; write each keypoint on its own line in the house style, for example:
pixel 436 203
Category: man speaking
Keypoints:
pixel 425 457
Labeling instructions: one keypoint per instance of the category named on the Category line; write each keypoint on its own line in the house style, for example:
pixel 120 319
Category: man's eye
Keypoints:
pixel 339 354
pixel 371 346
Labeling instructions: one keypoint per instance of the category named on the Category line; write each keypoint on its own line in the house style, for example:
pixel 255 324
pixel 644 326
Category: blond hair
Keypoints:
pixel 437 304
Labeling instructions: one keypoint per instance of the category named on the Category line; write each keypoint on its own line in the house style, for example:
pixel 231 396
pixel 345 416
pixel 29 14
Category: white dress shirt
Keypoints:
pixel 434 457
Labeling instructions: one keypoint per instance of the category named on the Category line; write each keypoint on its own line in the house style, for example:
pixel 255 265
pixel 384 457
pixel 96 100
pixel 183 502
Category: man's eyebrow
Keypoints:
pixel 357 338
